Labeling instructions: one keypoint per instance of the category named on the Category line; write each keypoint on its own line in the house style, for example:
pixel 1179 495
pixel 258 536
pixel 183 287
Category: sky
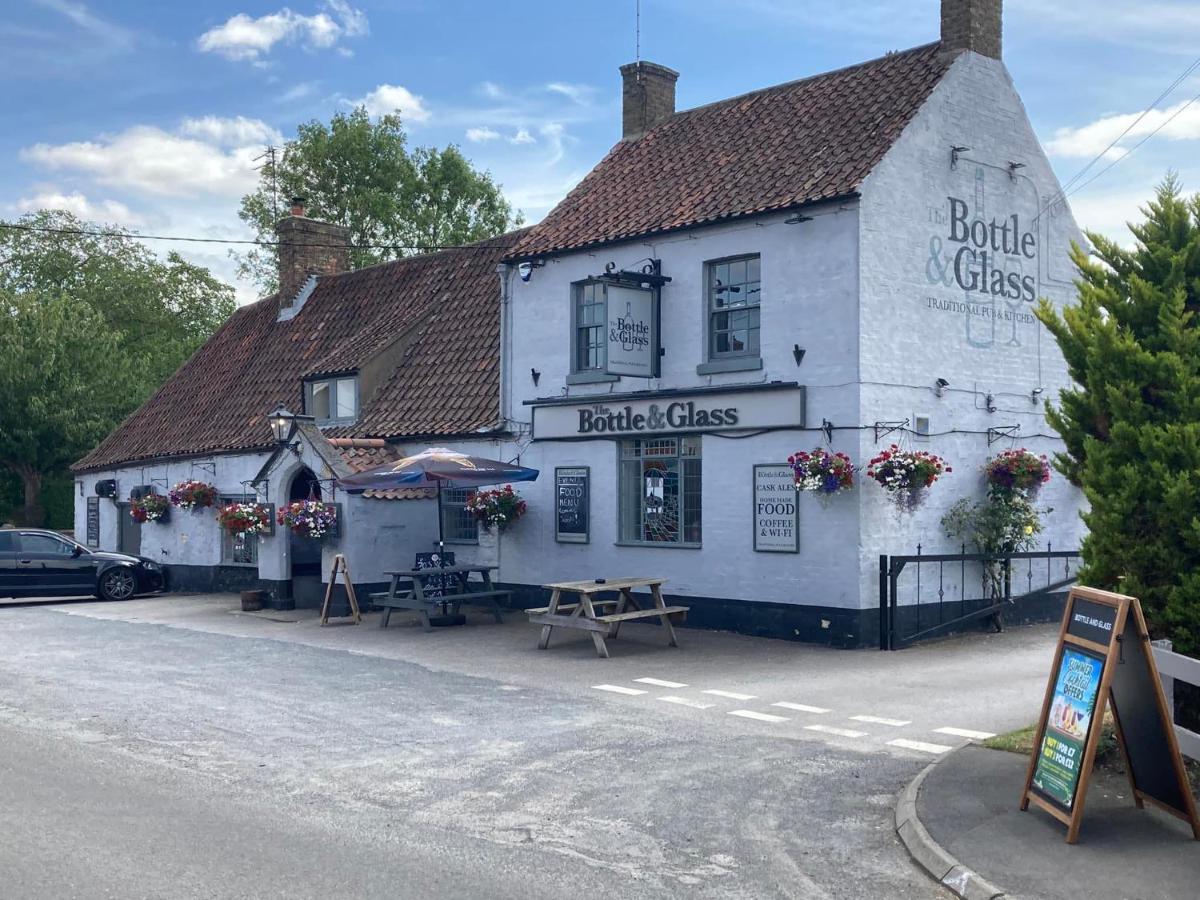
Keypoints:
pixel 152 115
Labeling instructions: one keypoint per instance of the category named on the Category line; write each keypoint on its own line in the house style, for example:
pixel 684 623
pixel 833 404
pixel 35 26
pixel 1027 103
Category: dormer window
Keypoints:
pixel 332 401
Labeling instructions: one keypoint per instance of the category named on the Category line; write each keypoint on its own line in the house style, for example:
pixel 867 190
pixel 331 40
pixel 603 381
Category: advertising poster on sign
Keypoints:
pixel 1071 711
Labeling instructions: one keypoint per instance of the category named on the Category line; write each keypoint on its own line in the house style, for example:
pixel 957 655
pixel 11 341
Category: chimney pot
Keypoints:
pixel 298 206
pixel 975 25
pixel 647 97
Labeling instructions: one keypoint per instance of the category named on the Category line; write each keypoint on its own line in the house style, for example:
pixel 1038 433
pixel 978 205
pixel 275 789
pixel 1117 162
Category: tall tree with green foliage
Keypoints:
pixel 360 173
pixel 90 326
pixel 1132 426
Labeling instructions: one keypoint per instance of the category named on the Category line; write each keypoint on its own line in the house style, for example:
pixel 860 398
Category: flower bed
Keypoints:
pixel 150 508
pixel 309 518
pixel 1016 470
pixel 498 508
pixel 241 519
pixel 906 474
pixel 821 472
pixel 193 495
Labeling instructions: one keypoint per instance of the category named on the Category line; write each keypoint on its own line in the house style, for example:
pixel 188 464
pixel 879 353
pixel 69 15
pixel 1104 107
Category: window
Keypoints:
pixel 734 290
pixel 458 525
pixel 660 491
pixel 590 314
pixel 241 550
pixel 332 400
pixel 45 543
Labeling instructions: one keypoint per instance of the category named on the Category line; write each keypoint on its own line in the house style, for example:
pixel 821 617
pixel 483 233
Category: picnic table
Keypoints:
pixel 583 614
pixel 411 589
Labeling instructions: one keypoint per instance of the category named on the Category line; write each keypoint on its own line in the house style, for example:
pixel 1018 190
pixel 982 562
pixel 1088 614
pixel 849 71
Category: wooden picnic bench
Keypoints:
pixel 411 589
pixel 594 616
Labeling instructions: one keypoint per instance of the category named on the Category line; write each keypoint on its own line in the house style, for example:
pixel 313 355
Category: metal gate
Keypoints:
pixel 924 596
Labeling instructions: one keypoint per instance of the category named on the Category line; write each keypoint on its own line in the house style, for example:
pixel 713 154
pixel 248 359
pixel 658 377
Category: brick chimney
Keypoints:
pixel 972 25
pixel 647 97
pixel 308 247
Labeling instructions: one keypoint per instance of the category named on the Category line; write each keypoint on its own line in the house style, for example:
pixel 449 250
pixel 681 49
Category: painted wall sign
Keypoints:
pixel 751 410
pixel 571 504
pixel 776 510
pixel 93 521
pixel 631 338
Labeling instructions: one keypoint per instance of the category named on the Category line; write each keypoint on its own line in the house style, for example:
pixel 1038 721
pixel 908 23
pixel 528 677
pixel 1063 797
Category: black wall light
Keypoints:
pixel 798 353
pixel 939 387
pixel 1035 394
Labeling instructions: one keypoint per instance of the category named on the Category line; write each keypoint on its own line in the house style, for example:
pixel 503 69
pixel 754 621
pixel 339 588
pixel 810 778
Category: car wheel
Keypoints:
pixel 117 584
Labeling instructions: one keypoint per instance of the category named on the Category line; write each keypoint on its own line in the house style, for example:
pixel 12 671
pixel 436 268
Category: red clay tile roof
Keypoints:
pixel 774 149
pixel 446 382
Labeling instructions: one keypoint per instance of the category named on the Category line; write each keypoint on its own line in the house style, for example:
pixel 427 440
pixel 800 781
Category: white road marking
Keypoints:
pixel 730 695
pixel 660 683
pixel 800 707
pixel 687 701
pixel 965 733
pixel 920 745
pixel 879 720
pixel 840 732
pixel 761 717
pixel 617 689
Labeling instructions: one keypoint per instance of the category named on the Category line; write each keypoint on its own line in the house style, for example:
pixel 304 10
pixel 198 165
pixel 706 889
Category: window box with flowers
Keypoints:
pixel 907 475
pixel 313 519
pixel 496 509
pixel 150 508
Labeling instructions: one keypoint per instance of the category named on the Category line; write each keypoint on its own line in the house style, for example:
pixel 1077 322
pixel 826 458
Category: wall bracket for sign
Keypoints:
pixel 999 432
pixel 1103 659
pixel 647 274
pixel 883 429
pixel 204 465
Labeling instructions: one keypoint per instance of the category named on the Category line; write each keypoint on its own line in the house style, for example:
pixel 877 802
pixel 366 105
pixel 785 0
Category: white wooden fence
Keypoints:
pixel 1173 667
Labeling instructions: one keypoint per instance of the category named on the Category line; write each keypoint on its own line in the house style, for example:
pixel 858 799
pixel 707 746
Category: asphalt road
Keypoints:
pixel 144 761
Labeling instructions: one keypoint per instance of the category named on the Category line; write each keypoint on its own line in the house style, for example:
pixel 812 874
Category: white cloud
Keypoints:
pixel 78 14
pixel 480 135
pixel 491 90
pixel 576 93
pixel 387 98
pixel 243 37
pixel 522 137
pixel 1180 122
pixel 238 131
pixel 104 211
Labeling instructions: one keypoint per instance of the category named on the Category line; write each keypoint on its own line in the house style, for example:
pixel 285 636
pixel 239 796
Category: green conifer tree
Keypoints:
pixel 1132 425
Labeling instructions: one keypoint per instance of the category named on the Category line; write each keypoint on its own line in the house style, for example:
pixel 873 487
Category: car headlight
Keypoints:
pixel 150 565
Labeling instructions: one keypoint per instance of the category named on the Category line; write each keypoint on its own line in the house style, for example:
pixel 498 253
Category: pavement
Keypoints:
pixel 970 832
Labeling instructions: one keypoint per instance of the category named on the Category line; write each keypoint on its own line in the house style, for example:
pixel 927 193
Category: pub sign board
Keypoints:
pixel 631 331
pixel 1103 657
pixel 776 509
pixel 571 504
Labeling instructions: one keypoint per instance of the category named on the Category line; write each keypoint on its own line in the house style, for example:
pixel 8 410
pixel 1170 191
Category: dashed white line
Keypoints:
pixel 761 717
pixel 920 745
pixel 686 701
pixel 730 695
pixel 617 689
pixel 800 707
pixel 965 733
pixel 840 732
pixel 880 720
pixel 657 682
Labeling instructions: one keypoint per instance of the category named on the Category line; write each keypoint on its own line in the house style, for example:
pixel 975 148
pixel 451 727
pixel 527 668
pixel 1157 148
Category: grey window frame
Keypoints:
pixel 227 539
pixel 454 516
pixel 682 460
pixel 597 374
pixel 332 381
pixel 730 360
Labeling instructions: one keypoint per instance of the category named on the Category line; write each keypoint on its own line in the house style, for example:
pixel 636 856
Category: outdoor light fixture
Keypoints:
pixel 798 353
pixel 827 430
pixel 1034 394
pixel 283 425
pixel 797 219
pixel 535 375
pixel 990 403
pixel 955 152
pixel 939 387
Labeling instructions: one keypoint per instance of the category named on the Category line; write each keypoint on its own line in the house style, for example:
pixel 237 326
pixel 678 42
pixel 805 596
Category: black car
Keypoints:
pixel 39 563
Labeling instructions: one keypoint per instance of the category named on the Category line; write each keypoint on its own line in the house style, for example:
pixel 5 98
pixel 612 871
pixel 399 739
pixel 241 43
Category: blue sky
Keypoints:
pixel 150 114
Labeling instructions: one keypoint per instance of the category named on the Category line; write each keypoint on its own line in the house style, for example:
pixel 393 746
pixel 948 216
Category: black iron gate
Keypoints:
pixel 943 592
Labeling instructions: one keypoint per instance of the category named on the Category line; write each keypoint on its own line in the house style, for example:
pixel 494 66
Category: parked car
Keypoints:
pixel 39 563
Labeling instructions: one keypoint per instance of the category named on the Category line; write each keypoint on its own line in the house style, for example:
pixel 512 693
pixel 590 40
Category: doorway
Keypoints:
pixel 129 532
pixel 305 553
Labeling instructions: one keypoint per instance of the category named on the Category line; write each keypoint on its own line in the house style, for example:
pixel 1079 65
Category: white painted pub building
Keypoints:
pixel 847 260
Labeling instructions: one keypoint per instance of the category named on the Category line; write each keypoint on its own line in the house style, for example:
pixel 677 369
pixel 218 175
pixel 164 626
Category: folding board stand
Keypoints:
pixel 340 567
pixel 1103 659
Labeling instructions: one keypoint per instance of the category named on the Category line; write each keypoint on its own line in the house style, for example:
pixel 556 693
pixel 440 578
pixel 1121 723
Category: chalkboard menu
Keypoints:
pixel 571 499
pixel 1103 657
pixel 93 521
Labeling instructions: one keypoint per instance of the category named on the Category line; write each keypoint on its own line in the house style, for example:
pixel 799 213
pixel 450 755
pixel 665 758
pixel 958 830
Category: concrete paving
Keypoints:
pixel 969 804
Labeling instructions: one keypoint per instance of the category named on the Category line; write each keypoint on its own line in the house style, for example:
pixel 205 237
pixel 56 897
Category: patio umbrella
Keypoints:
pixel 433 468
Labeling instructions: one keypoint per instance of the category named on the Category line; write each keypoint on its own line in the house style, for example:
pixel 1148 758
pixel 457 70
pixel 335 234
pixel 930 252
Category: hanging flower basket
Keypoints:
pixel 496 509
pixel 906 475
pixel 193 495
pixel 309 518
pixel 822 473
pixel 241 519
pixel 150 508
pixel 1016 470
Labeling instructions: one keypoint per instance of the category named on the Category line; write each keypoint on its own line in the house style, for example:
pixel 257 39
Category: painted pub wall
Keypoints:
pixel 919 323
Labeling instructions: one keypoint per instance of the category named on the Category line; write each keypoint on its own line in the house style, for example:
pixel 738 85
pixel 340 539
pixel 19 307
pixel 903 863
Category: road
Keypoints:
pixel 211 757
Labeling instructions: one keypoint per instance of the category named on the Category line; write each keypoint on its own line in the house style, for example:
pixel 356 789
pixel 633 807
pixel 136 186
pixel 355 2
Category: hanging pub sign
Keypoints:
pixel 93 521
pixel 631 331
pixel 776 512
pixel 571 499
pixel 1103 657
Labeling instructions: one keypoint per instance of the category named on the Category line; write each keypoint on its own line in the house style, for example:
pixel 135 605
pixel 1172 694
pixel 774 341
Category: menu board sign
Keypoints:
pixel 776 510
pixel 571 504
pixel 1072 711
pixel 93 521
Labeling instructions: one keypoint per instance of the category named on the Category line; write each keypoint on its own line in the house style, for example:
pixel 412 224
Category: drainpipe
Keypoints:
pixel 505 272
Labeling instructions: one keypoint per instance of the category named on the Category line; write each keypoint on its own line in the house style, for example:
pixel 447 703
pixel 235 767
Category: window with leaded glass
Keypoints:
pixel 238 550
pixel 458 525
pixel 590 314
pixel 734 291
pixel 660 490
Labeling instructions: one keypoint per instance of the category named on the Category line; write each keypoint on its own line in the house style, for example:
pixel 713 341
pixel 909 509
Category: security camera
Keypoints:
pixel 1034 394
pixel 939 386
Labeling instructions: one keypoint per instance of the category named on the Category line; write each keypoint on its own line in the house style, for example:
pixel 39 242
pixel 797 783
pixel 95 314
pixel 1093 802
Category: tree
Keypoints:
pixel 89 326
pixel 1132 426
pixel 360 174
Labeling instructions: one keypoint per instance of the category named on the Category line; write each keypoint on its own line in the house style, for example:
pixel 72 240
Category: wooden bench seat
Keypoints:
pixel 651 613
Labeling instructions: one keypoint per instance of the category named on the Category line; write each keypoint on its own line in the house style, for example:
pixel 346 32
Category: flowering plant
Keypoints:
pixel 309 518
pixel 150 508
pixel 1016 470
pixel 241 519
pixel 498 508
pixel 822 472
pixel 905 474
pixel 193 495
